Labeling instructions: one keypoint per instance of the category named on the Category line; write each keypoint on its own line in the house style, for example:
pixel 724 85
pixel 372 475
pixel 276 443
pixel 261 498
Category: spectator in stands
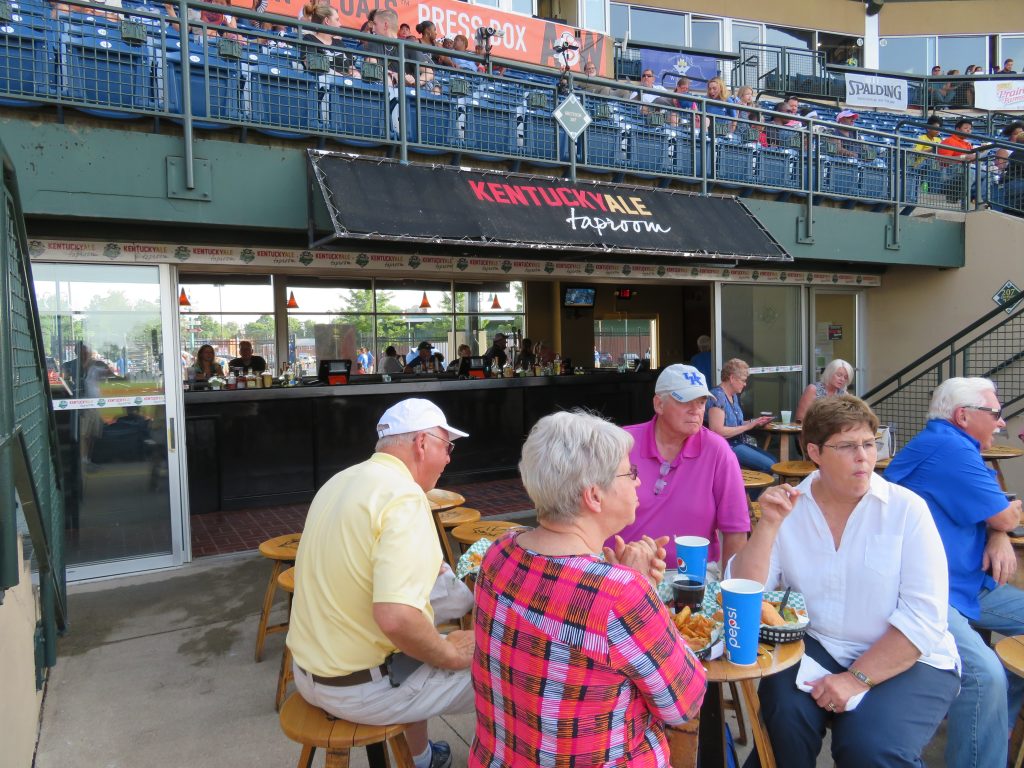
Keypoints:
pixel 990 188
pixel 927 141
pixel 941 93
pixel 461 43
pixel 405 31
pixel 63 8
pixel 783 131
pixel 745 96
pixel 590 70
pixel 752 130
pixel 647 81
pixel 718 91
pixel 428 36
pixel 385 24
pixel 323 13
pixel 1012 180
pixel 1007 68
pixel 846 118
pixel 789 105
pixel 961 151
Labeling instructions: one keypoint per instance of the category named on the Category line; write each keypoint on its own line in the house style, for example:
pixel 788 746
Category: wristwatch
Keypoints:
pixel 861 676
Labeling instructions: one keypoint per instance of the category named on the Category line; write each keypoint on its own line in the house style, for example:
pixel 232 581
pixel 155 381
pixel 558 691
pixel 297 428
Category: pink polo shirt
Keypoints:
pixel 703 493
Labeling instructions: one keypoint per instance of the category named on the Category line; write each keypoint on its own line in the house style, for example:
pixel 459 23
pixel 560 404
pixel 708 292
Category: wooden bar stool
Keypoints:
pixel 1011 652
pixel 286 582
pixel 793 471
pixel 881 464
pixel 469 534
pixel 753 480
pixel 312 727
pixel 282 550
pixel 445 520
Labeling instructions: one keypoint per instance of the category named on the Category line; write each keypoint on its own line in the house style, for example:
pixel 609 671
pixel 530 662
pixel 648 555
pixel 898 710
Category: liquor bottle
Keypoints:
pixel 242 382
pixel 232 382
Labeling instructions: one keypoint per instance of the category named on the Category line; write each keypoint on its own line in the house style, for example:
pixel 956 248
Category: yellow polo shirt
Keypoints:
pixel 369 538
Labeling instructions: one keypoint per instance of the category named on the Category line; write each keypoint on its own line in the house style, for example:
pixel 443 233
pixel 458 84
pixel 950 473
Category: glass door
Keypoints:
pixel 106 331
pixel 762 325
pixel 834 326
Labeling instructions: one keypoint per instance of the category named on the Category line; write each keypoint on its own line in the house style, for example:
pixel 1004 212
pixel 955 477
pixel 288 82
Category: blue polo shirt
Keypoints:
pixel 943 465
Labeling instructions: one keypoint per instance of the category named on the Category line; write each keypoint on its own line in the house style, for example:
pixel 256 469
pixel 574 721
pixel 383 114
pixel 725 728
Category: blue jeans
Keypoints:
pixel 751 457
pixel 982 715
pixel 890 728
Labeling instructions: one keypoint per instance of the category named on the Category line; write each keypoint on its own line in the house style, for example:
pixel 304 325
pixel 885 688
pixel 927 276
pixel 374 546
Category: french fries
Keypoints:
pixel 694 627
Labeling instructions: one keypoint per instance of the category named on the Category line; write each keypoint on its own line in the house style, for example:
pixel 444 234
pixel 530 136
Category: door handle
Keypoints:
pixel 172 440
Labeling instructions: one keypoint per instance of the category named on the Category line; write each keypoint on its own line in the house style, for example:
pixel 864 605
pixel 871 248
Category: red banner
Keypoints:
pixel 526 39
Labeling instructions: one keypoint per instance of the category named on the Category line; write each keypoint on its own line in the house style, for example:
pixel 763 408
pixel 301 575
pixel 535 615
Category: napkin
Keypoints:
pixel 810 670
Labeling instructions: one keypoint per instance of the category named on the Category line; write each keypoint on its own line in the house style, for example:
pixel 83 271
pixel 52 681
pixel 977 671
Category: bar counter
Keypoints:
pixel 260 447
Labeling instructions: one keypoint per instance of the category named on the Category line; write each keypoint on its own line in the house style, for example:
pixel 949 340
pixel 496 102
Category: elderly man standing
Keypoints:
pixel 943 465
pixel 361 631
pixel 691 482
pixel 497 351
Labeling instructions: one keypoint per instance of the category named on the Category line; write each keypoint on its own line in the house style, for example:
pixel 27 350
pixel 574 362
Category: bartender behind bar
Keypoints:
pixel 424 360
pixel 246 359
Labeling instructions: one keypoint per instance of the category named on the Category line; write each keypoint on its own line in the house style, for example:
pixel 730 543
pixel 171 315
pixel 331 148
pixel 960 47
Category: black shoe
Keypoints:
pixel 440 754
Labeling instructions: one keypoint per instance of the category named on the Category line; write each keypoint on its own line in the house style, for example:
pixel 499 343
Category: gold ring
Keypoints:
pixel 832 706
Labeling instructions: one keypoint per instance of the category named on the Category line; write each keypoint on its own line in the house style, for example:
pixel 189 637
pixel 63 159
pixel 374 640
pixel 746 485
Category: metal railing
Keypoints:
pixel 778 69
pixel 30 477
pixel 365 91
pixel 990 348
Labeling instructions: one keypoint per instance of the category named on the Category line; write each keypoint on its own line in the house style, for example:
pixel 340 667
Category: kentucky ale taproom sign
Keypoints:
pixel 385 200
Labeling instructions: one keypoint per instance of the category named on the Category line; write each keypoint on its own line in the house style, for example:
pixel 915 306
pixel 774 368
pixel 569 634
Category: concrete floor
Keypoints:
pixel 158 670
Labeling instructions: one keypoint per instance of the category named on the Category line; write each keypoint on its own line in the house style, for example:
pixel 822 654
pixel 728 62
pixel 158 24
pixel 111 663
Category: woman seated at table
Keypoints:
pixel 576 657
pixel 725 416
pixel 868 559
pixel 836 377
pixel 206 365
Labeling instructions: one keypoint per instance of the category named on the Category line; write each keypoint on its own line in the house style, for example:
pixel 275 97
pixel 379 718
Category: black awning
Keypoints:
pixel 430 205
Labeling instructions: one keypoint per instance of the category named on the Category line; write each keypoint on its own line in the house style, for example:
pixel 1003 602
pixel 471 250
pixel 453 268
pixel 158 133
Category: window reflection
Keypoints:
pixel 961 52
pixel 706 34
pixel 656 26
pixel 910 55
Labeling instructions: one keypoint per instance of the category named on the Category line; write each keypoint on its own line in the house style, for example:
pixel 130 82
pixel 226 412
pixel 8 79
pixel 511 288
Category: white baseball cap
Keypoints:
pixel 683 382
pixel 415 415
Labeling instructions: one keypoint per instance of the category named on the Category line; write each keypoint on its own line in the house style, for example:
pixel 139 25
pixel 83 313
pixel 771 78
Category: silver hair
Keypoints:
pixel 393 441
pixel 957 392
pixel 835 365
pixel 704 343
pixel 566 453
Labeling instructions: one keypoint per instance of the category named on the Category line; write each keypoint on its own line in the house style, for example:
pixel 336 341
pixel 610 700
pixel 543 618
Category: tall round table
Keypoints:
pixel 783 431
pixel 998 453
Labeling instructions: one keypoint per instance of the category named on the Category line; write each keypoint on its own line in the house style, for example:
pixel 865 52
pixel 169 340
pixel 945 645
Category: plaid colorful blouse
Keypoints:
pixel 577 664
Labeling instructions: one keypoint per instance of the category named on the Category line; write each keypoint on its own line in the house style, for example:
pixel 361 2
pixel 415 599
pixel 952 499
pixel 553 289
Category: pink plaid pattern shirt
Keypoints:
pixel 577 664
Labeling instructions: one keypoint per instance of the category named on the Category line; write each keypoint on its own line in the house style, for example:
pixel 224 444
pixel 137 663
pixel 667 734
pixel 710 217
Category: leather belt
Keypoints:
pixel 353 678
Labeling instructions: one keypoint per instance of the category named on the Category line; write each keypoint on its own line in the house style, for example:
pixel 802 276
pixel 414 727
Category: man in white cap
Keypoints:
pixel 361 632
pixel 690 480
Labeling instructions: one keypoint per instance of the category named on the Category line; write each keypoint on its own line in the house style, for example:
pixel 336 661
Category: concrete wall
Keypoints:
pixel 916 309
pixel 952 17
pixel 829 15
pixel 19 703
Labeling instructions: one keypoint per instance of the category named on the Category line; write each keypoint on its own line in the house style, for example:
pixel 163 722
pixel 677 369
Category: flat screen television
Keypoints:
pixel 579 297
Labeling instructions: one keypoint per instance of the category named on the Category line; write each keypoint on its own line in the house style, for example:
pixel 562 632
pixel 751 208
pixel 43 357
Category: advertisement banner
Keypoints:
pixel 873 91
pixel 524 37
pixel 999 95
pixel 383 200
pixel 669 67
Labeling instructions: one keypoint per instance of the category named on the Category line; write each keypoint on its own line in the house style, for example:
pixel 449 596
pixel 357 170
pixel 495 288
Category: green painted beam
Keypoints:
pixel 97 172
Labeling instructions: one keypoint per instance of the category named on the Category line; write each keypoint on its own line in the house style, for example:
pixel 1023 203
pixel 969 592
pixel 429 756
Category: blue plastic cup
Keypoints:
pixel 692 556
pixel 741 608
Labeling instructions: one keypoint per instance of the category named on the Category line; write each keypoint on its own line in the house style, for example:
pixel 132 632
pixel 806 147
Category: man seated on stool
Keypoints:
pixel 943 465
pixel 246 359
pixel 366 566
pixel 691 483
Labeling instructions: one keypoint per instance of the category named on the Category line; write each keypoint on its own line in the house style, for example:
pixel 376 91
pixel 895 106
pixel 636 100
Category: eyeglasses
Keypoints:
pixel 661 482
pixel 647 74
pixel 633 471
pixel 997 413
pixel 451 443
pixel 850 449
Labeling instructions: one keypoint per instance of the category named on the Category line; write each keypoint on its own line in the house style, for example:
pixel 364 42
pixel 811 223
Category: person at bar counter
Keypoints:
pixel 206 365
pixel 836 377
pixel 461 353
pixel 943 465
pixel 361 618
pixel 424 360
pixel 577 661
pixel 690 479
pixel 725 418
pixel 497 351
pixel 246 359
pixel 879 662
pixel 526 359
pixel 391 363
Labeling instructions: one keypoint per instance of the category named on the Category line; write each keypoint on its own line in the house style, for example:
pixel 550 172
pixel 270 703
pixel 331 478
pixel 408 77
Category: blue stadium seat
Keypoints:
pixel 735 162
pixel 874 180
pixel 26 61
pixel 106 74
pixel 681 153
pixel 539 135
pixel 432 121
pixel 647 148
pixel 605 142
pixel 778 167
pixel 489 127
pixel 354 109
pixel 223 77
pixel 282 102
pixel 840 176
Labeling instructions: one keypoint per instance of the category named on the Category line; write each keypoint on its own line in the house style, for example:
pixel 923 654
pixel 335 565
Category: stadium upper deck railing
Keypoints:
pixel 130 62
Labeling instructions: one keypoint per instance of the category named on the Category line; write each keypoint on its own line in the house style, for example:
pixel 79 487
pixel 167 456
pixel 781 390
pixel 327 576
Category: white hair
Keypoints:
pixel 835 365
pixel 566 453
pixel 393 441
pixel 957 392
